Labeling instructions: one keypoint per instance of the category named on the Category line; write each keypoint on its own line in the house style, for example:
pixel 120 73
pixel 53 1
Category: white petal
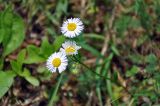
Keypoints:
pixel 76 32
pixel 64 61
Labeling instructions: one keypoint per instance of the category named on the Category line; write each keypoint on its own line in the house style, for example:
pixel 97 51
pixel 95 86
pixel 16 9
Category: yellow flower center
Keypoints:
pixel 56 62
pixel 71 26
pixel 70 49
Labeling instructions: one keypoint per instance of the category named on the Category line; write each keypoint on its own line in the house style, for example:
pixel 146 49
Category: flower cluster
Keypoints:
pixel 58 61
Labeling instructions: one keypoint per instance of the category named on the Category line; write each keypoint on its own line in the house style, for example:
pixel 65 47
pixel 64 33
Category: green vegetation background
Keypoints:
pixel 120 45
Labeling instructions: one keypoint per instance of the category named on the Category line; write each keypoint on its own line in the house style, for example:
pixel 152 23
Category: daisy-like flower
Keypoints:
pixel 72 27
pixel 70 48
pixel 57 60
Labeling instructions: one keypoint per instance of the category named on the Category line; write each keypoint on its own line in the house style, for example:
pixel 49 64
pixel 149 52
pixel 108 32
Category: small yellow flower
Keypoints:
pixel 57 61
pixel 70 48
pixel 72 27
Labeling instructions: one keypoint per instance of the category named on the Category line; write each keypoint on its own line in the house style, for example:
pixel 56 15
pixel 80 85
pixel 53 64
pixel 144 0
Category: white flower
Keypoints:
pixel 72 27
pixel 70 48
pixel 57 60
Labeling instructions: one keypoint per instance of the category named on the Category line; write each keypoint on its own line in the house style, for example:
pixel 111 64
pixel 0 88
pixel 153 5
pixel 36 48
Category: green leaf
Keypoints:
pixel 2 32
pixel 27 75
pixel 10 73
pixel 44 73
pixel 132 71
pixel 62 6
pixel 17 34
pixel 95 36
pixel 115 50
pixel 16 67
pixel 8 17
pixel 58 42
pixel 5 26
pixel 34 81
pixel 46 48
pixel 21 56
pixel 1 28
pixel 6 80
pixel 34 55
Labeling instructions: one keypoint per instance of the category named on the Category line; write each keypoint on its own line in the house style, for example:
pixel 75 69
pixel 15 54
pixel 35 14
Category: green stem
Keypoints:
pixel 109 89
pixel 54 94
pixel 131 102
pixel 99 96
pixel 76 60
